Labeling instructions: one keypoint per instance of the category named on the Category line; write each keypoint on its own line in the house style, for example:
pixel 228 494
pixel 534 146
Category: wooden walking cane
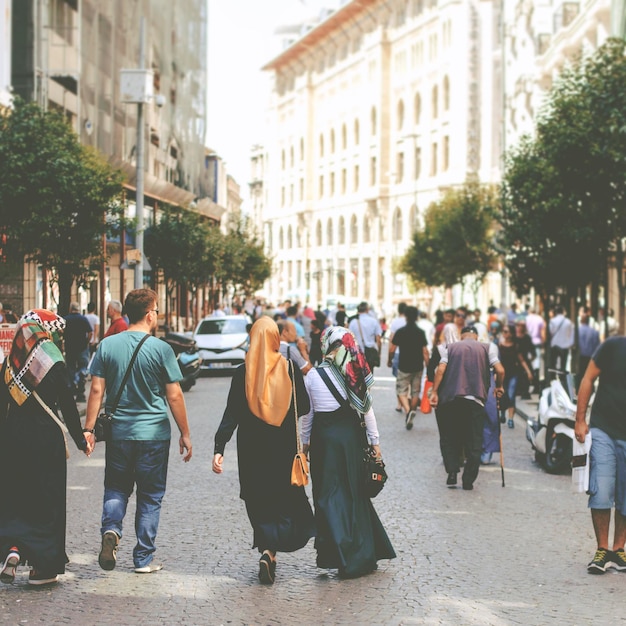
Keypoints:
pixel 500 436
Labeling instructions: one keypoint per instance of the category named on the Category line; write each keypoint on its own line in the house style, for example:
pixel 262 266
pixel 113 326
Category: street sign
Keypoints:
pixel 6 339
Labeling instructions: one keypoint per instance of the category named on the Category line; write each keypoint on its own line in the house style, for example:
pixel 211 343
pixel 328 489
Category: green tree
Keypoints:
pixel 456 243
pixel 54 196
pixel 564 189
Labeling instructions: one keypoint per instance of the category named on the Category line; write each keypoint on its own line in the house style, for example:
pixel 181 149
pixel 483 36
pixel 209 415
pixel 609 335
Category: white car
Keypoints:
pixel 222 341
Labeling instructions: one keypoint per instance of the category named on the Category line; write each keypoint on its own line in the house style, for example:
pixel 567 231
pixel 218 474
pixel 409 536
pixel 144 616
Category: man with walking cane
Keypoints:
pixel 459 398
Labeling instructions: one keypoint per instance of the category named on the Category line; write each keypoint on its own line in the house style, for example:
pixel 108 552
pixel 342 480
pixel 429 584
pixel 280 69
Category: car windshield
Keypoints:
pixel 222 327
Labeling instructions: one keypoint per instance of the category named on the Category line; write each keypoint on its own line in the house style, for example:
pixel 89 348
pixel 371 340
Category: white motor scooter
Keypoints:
pixel 551 436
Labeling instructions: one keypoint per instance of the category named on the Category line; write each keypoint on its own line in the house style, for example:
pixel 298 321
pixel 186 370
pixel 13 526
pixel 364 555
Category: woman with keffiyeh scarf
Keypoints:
pixel 350 536
pixel 33 450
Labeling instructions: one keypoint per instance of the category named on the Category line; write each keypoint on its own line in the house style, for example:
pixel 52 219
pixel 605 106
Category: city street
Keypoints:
pixel 498 556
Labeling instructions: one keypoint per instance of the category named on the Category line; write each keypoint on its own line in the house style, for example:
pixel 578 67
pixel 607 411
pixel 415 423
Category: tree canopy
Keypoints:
pixel 54 194
pixel 456 241
pixel 563 189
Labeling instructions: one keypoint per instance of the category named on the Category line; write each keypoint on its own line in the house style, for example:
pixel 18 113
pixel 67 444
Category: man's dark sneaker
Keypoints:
pixel 617 558
pixel 42 578
pixel 410 416
pixel 451 482
pixel 511 424
pixel 108 552
pixel 599 562
pixel 267 569
pixel 468 486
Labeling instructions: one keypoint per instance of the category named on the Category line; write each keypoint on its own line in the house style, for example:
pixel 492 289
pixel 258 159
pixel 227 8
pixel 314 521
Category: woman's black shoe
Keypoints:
pixel 267 569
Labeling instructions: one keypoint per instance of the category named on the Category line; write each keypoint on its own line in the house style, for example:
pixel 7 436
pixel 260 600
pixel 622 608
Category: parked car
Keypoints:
pixel 222 341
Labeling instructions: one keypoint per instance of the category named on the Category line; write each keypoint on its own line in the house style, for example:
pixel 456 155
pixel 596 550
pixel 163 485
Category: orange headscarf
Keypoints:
pixel 268 386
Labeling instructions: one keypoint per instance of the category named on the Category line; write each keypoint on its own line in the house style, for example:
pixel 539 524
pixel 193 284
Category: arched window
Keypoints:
pixel 400 114
pixel 417 108
pixel 344 137
pixel 321 145
pixel 329 233
pixel 318 233
pixel 301 149
pixel 373 120
pixel 332 141
pixel 282 159
pixel 397 225
pixel 289 238
pixel 413 220
pixel 298 237
pixel 281 241
pixel 367 225
pixel 435 103
pixel 342 231
pixel 446 93
pixel 357 132
pixel 291 157
pixel 354 230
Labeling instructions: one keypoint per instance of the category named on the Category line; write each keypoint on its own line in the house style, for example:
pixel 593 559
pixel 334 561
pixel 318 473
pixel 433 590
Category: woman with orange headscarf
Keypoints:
pixel 33 449
pixel 260 404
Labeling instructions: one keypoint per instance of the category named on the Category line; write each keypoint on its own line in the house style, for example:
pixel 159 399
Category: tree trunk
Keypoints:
pixel 66 280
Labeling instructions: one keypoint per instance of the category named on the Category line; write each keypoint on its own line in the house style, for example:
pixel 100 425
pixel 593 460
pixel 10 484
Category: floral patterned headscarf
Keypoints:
pixel 33 352
pixel 347 362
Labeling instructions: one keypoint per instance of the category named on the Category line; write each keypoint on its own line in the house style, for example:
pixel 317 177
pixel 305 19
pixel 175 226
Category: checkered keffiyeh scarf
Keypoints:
pixel 348 365
pixel 33 352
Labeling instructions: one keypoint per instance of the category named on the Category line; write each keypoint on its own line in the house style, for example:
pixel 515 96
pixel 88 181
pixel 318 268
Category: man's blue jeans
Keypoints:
pixel 130 463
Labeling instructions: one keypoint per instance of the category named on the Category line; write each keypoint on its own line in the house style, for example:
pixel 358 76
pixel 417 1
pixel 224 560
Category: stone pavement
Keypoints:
pixel 492 556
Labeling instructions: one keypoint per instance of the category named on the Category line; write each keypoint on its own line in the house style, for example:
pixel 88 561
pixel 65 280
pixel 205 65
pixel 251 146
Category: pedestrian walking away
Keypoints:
pixel 350 536
pixel 607 457
pixel 414 356
pixel 261 407
pixel 138 454
pixel 77 336
pixel 35 384
pixel 459 393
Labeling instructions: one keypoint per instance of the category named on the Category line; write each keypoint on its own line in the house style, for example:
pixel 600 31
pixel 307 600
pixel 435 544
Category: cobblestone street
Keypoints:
pixel 498 556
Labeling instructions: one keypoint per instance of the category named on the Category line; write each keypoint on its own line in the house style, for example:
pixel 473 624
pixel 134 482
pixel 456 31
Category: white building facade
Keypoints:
pixel 379 109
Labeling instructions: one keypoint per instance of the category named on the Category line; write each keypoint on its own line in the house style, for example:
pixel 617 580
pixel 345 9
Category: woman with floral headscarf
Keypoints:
pixel 260 405
pixel 350 536
pixel 33 449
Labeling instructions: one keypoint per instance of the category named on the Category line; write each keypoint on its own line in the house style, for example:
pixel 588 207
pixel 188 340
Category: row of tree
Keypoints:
pixel 558 221
pixel 60 199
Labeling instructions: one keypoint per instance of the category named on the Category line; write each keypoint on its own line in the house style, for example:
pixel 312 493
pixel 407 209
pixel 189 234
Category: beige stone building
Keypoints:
pixel 380 107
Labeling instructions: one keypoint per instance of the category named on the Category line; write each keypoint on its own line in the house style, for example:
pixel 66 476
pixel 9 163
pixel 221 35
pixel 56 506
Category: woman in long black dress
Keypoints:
pixel 260 404
pixel 32 515
pixel 350 536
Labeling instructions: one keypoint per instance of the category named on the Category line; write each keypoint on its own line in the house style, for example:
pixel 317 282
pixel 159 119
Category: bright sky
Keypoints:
pixel 241 41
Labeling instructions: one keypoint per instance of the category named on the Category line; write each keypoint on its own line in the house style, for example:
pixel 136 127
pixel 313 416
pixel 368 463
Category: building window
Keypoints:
pixel 289 238
pixel 357 132
pixel 373 171
pixel 344 137
pixel 282 196
pixel 400 113
pixel 435 102
pixel 417 108
pixel 281 241
pixel 291 157
pixel 417 164
pixel 329 233
pixel 399 167
pixel 433 161
pixel 344 180
pixel 397 225
pixel 446 93
pixel 356 178
pixel 373 120
pixel 366 229
pixel 332 141
pixel 282 159
pixel 321 145
pixel 341 235
pixel 318 233
pixel 445 157
pixel 301 193
pixel 290 194
pixel 302 149
pixel 321 187
pixel 332 183
pixel 354 230
pixel 413 220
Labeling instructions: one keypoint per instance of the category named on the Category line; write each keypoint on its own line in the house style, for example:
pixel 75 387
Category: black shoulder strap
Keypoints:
pixel 326 378
pixel 127 374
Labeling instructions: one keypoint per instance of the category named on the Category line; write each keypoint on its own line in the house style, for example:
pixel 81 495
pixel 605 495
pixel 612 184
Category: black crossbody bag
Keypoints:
pixel 374 475
pixel 103 430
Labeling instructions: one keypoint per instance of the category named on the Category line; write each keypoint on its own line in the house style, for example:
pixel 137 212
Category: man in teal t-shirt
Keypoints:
pixel 138 453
